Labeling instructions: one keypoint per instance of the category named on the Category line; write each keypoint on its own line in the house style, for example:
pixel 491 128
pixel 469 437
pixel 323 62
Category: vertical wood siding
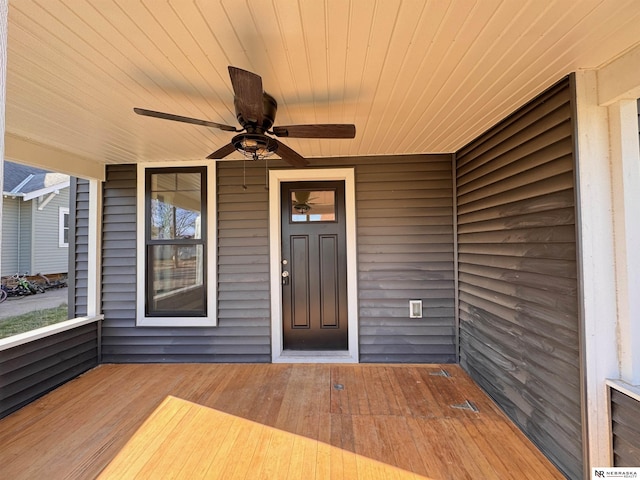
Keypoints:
pixel 519 325
pixel 30 370
pixel 405 251
pixel 625 429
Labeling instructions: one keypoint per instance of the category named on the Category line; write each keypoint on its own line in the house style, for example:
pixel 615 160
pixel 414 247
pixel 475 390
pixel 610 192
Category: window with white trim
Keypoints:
pixel 63 227
pixel 176 246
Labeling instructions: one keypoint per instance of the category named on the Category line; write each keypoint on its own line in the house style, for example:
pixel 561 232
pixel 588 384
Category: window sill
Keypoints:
pixel 26 337
pixel 176 322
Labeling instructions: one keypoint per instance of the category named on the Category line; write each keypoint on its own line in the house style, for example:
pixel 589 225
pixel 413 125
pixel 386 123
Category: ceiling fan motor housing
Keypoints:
pixel 255 145
pixel 269 109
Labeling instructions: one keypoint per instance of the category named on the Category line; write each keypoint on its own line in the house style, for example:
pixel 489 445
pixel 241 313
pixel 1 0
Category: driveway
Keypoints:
pixel 13 306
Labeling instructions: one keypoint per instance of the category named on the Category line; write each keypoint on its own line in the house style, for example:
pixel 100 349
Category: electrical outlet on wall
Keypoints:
pixel 415 308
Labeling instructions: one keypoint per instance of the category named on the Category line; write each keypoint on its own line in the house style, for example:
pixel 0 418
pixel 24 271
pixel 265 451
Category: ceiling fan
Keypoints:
pixel 256 112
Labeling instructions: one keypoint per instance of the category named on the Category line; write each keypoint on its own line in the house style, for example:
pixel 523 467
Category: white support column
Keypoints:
pixel 597 268
pixel 4 8
pixel 94 259
pixel 625 176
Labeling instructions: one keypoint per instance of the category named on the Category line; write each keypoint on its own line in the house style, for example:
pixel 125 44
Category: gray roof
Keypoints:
pixel 20 179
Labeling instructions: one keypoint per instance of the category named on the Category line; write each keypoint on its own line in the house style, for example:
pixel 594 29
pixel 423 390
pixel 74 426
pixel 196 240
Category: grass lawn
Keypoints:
pixel 32 320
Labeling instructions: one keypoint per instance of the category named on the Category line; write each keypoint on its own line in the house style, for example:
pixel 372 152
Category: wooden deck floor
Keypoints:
pixel 266 421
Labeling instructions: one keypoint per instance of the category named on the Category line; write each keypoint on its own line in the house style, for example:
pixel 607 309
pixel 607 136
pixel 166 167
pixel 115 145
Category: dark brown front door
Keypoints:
pixel 314 266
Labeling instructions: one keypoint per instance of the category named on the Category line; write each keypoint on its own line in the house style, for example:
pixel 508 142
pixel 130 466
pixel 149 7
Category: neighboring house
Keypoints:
pixel 35 221
pixel 519 236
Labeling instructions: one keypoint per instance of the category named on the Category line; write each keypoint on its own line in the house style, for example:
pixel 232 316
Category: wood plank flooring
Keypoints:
pixel 266 421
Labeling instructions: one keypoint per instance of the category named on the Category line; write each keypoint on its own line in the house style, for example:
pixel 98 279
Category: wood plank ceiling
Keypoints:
pixel 414 76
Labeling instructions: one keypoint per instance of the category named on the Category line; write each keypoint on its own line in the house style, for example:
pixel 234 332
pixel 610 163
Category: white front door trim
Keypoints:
pixel 278 355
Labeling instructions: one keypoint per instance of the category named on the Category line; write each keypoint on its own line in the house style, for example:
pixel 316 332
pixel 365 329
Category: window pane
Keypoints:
pixel 178 279
pixel 313 206
pixel 65 228
pixel 176 206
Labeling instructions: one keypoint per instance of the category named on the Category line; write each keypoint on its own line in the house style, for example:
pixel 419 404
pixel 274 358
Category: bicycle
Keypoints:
pixel 24 286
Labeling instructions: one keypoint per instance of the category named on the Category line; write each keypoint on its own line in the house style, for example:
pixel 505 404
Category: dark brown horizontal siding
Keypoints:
pixel 243 257
pixel 625 429
pixel 242 334
pixel 78 247
pixel 405 251
pixel 118 263
pixel 30 370
pixel 518 306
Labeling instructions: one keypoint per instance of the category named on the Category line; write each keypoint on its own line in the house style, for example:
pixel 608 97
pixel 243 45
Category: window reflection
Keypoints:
pixel 313 206
pixel 176 242
pixel 177 278
pixel 175 206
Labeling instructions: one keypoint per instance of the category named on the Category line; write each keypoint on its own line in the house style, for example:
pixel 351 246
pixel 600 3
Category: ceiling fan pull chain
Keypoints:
pixel 266 173
pixel 244 174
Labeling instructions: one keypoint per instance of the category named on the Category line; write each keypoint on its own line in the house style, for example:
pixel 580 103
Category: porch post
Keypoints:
pixel 596 272
pixel 625 173
pixel 4 8
pixel 608 186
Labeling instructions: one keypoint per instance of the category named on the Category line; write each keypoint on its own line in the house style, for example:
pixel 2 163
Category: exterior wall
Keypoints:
pixel 16 236
pixel 47 254
pixel 10 235
pixel 405 251
pixel 26 237
pixel 78 247
pixel 30 238
pixel 235 339
pixel 519 323
pixel 32 369
pixel 404 211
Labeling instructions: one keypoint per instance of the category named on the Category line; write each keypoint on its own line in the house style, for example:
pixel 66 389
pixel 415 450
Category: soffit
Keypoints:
pixel 413 76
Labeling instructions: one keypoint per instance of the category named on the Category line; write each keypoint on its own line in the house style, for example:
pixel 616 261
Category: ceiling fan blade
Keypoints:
pixel 247 87
pixel 180 118
pixel 329 130
pixel 290 156
pixel 228 149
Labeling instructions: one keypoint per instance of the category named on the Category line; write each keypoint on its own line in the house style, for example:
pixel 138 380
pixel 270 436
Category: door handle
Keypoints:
pixel 285 278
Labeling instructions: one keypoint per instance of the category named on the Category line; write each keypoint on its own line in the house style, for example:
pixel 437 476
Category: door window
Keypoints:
pixel 313 206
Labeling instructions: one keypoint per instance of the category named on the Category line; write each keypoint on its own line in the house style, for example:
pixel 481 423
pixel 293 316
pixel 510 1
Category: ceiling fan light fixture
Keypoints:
pixel 254 146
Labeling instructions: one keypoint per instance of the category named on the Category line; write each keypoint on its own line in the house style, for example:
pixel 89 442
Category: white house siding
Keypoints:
pixel 16 236
pixel 10 236
pixel 47 255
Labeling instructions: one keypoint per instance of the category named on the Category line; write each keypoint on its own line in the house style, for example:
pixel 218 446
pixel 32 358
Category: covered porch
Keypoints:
pixel 268 421
pixel 494 176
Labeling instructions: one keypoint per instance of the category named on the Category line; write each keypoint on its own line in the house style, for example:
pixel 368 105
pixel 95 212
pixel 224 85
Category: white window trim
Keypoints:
pixel 211 319
pixel 62 211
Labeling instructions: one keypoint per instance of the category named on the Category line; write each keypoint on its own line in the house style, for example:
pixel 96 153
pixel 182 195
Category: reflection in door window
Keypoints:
pixel 313 206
